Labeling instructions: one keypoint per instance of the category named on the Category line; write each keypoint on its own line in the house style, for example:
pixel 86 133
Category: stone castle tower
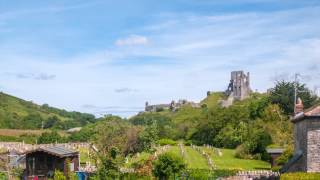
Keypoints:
pixel 239 86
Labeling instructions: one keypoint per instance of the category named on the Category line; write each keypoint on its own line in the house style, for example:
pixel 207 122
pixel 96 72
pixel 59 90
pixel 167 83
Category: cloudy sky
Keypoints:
pixel 105 56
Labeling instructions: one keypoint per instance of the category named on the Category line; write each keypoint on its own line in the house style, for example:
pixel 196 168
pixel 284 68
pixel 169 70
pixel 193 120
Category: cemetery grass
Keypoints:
pixel 195 160
pixel 228 161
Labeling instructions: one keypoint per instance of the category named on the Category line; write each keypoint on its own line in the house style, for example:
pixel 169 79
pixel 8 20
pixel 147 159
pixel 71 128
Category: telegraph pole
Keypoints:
pixel 295 92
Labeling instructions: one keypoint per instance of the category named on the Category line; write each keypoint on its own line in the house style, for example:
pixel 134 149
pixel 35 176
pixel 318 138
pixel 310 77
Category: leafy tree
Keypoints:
pixel 147 138
pixel 283 95
pixel 168 165
pixel 84 135
pixel 50 137
pixel 51 121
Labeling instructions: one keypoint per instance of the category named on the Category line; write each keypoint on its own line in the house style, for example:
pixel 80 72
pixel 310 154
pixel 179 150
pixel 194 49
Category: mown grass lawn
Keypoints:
pixel 228 161
pixel 193 158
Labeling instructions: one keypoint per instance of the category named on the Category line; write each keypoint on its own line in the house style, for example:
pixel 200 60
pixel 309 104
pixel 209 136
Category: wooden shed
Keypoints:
pixel 42 162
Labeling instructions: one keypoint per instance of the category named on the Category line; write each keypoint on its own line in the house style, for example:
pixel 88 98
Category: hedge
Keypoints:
pixel 300 176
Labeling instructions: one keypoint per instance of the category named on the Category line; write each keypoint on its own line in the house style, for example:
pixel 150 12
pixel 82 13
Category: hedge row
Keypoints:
pixel 300 176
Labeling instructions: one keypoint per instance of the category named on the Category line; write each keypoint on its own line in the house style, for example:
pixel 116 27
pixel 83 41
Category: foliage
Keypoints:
pixel 283 95
pixel 3 176
pixel 163 142
pixel 16 113
pixel 58 175
pixel 168 165
pixel 255 145
pixel 70 175
pixel 116 132
pixel 285 156
pixel 147 138
pixel 300 176
pixel 84 135
pixel 107 168
pixel 51 137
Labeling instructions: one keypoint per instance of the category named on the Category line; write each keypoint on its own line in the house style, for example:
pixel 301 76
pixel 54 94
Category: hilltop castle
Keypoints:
pixel 238 88
pixel 173 106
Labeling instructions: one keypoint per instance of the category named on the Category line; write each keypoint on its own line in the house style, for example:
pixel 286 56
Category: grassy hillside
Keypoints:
pixel 17 113
pixel 213 99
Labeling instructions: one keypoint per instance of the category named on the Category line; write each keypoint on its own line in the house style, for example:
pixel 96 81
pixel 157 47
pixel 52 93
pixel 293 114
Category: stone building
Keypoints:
pixel 238 88
pixel 306 140
pixel 173 106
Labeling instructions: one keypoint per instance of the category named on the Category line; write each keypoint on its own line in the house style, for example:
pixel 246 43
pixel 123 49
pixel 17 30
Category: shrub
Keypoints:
pixel 300 176
pixel 163 142
pixel 50 137
pixel 243 152
pixel 187 143
pixel 168 165
pixel 58 175
pixel 284 158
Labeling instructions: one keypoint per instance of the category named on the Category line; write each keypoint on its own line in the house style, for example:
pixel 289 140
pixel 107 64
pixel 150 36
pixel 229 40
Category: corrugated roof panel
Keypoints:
pixel 59 150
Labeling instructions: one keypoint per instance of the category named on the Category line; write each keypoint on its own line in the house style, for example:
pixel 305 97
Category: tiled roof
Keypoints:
pixel 313 112
pixel 56 150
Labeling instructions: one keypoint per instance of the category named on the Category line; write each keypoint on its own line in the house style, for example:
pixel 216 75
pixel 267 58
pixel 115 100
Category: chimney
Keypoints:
pixel 299 106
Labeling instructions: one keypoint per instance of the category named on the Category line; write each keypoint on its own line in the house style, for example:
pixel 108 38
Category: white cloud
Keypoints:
pixel 203 50
pixel 132 40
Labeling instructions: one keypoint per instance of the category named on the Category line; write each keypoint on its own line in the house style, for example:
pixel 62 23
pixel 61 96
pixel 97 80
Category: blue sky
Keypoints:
pixel 104 56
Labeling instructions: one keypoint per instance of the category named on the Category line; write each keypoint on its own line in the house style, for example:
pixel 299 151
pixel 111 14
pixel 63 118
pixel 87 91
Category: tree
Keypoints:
pixel 147 138
pixel 283 95
pixel 167 165
pixel 50 137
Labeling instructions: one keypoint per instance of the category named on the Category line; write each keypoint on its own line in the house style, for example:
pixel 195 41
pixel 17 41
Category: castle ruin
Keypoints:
pixel 173 106
pixel 238 88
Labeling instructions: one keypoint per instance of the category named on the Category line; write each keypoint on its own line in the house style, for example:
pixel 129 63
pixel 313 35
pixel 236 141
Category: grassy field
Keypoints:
pixel 195 160
pixel 19 132
pixel 228 161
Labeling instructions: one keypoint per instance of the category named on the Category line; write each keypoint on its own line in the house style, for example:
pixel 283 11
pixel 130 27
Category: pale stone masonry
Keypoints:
pixel 306 141
pixel 238 88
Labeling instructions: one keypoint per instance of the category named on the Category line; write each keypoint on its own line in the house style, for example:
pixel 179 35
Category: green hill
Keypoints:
pixel 16 113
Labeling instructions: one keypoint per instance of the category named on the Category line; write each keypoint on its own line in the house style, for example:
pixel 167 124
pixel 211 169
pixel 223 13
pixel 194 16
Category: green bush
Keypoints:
pixel 134 176
pixel 3 176
pixel 300 176
pixel 168 165
pixel 163 142
pixel 58 175
pixel 187 143
pixel 51 137
pixel 205 174
pixel 284 158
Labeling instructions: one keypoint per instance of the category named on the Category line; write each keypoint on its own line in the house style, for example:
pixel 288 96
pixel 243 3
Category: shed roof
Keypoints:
pixel 56 150
pixel 275 150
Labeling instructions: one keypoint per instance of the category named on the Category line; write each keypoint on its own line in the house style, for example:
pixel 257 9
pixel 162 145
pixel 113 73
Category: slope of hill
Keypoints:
pixel 17 113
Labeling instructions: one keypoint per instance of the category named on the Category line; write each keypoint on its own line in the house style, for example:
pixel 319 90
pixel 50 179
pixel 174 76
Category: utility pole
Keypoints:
pixel 295 91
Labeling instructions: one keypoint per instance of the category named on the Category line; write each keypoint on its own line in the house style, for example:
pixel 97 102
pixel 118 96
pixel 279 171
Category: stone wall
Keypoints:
pixel 313 154
pixel 307 141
